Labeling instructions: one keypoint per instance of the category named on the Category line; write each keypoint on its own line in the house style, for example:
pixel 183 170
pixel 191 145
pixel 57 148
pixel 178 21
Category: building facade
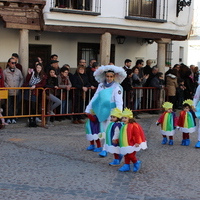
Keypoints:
pixel 108 31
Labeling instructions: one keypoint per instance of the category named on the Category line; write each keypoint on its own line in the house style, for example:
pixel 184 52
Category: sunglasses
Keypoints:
pixel 13 63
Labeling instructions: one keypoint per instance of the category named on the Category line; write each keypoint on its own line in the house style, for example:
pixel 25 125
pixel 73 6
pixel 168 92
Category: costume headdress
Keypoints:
pixel 116 112
pixel 127 113
pixel 119 72
pixel 188 101
pixel 167 105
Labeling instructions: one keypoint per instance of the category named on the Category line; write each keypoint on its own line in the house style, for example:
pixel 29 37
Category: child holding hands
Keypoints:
pixel 186 121
pixel 168 121
pixel 112 136
pixel 131 140
pixel 93 129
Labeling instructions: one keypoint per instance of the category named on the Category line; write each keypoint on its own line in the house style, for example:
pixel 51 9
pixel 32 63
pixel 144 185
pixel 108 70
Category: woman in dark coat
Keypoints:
pixel 81 82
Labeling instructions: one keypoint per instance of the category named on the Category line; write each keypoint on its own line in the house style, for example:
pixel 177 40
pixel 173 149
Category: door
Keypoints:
pixel 43 51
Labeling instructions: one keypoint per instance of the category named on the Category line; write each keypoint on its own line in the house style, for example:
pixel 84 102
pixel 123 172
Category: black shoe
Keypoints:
pixel 136 117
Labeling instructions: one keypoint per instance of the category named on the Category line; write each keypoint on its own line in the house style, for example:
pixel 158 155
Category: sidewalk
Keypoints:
pixel 52 164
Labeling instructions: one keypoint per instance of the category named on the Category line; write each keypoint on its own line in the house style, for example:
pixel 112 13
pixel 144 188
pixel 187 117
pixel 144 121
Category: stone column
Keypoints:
pixel 24 50
pixel 161 53
pixel 105 46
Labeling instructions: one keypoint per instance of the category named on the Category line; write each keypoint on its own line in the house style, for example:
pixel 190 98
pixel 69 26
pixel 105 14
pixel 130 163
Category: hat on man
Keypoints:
pixel 54 61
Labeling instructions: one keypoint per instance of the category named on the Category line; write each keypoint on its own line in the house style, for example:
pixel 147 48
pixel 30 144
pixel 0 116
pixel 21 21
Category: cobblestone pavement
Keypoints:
pixel 52 164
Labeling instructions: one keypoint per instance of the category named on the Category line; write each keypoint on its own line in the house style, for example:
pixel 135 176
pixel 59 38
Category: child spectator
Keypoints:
pixel 112 136
pixel 168 123
pixel 186 121
pixel 180 93
pixel 131 140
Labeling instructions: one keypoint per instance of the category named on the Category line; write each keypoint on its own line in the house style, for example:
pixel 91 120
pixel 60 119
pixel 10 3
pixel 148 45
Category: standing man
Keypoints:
pixel 12 78
pixel 53 57
pixel 88 68
pixel 82 62
pixel 147 68
pixel 15 56
pixel 127 64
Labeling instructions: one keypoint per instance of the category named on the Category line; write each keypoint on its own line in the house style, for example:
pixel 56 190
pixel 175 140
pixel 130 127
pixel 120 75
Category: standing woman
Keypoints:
pixel 52 83
pixel 65 84
pixel 138 93
pixel 171 85
pixel 35 78
pixel 109 94
pixel 81 82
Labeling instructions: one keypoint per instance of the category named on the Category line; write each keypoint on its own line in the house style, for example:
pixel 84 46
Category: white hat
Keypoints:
pixel 120 73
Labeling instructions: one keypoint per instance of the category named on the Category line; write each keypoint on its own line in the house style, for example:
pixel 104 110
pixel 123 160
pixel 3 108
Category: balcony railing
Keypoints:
pixel 148 10
pixel 77 5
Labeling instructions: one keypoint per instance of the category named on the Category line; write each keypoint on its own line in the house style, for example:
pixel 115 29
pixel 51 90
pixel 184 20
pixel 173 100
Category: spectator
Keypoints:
pixel 158 95
pixel 90 74
pixel 127 64
pixel 154 71
pixel 54 64
pixel 47 68
pixel 180 93
pixel 15 56
pixel 138 93
pixel 147 68
pixel 69 73
pixel 52 83
pixel 82 62
pixel 81 82
pixel 171 85
pixel 88 68
pixel 12 78
pixel 65 84
pixel 139 64
pixel 35 78
pixel 127 87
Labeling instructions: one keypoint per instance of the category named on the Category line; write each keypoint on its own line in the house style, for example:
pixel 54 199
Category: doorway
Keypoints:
pixel 43 51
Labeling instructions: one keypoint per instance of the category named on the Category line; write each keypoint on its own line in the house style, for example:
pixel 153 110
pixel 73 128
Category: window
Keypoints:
pixel 142 8
pixel 89 51
pixel 78 5
pixel 168 57
pixel 147 10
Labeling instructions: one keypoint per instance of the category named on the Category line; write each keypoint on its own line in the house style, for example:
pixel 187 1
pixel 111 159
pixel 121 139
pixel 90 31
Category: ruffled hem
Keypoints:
pixel 91 137
pixel 187 130
pixel 131 149
pixel 112 149
pixel 168 133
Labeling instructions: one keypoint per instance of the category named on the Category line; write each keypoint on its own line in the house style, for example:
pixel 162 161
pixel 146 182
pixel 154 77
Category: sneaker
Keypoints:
pixel 8 121
pixel 14 121
pixel 51 113
pixel 38 120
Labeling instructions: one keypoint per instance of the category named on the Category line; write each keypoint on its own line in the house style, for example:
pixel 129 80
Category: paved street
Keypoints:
pixel 52 164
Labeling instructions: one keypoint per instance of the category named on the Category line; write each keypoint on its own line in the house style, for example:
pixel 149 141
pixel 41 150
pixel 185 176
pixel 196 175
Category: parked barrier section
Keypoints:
pixel 40 102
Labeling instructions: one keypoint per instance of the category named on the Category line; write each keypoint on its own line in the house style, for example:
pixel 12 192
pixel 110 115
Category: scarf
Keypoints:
pixel 108 84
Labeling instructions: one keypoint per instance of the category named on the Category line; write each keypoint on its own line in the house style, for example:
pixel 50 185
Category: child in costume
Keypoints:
pixel 131 140
pixel 112 136
pixel 93 129
pixel 168 121
pixel 186 121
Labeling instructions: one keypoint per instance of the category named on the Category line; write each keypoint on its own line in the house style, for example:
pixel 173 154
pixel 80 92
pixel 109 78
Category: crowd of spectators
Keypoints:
pixel 180 81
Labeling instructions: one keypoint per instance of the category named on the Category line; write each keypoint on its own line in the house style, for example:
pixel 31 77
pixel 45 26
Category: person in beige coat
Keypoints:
pixel 171 85
pixel 12 78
